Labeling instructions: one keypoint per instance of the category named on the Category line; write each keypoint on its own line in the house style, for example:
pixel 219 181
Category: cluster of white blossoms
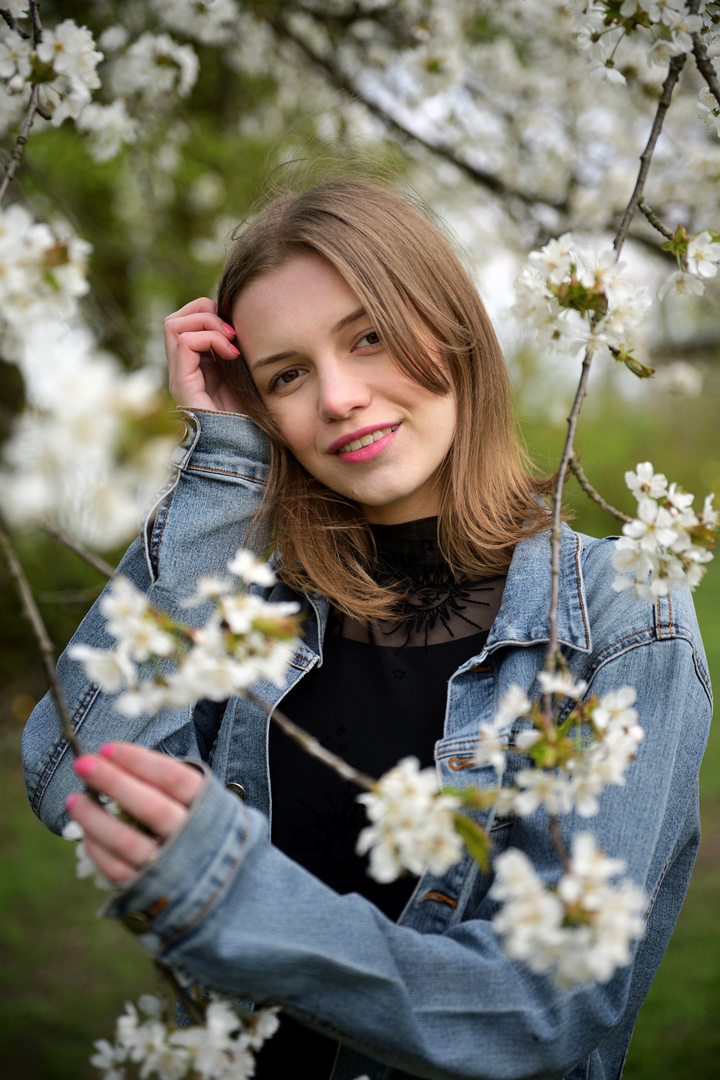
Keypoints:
pixel 698 259
pixel 154 65
pixel 575 299
pixel 579 930
pixel 569 772
pixel 602 27
pixel 413 826
pixel 221 1048
pixel 42 273
pixel 63 64
pixel 91 434
pixel 582 928
pixel 161 663
pixel 667 543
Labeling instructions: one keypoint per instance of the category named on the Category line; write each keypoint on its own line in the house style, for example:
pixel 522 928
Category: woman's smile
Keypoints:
pixel 348 412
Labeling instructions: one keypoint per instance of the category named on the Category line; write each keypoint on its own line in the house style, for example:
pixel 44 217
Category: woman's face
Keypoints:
pixel 348 412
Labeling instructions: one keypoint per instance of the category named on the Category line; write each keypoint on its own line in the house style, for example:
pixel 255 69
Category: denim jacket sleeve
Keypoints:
pixel 229 910
pixel 196 523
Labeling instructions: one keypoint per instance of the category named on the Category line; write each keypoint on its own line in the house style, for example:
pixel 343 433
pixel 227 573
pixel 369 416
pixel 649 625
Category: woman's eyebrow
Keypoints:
pixel 345 321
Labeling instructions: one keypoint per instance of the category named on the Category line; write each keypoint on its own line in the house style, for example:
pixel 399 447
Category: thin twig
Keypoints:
pixel 444 150
pixel 575 467
pixel 192 1007
pixel 654 220
pixel 96 561
pixel 37 24
pixel 16 154
pixel 47 654
pixel 705 66
pixel 675 67
pixel 12 23
pixel 555 534
pixel 312 747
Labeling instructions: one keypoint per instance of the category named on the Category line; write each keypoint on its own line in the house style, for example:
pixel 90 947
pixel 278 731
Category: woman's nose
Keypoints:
pixel 342 388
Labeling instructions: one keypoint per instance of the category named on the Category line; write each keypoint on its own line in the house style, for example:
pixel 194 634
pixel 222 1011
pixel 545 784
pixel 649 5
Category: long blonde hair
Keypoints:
pixel 410 281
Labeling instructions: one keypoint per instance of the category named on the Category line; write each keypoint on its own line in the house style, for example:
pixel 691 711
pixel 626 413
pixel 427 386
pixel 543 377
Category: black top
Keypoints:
pixel 378 696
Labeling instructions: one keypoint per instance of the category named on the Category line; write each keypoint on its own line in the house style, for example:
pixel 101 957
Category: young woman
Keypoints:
pixel 346 404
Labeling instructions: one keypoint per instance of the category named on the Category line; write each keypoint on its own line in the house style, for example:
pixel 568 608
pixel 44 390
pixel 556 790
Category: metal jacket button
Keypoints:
pixel 136 921
pixel 237 789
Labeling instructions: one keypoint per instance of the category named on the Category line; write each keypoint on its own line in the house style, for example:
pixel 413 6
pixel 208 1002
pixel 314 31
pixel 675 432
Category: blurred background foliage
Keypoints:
pixel 158 221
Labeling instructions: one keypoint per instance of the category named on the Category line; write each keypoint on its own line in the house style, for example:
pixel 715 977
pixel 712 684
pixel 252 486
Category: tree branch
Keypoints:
pixel 675 67
pixel 705 66
pixel 37 25
pixel 444 150
pixel 312 747
pixel 16 154
pixel 655 221
pixel 96 561
pixel 47 655
pixel 12 23
pixel 555 534
pixel 576 468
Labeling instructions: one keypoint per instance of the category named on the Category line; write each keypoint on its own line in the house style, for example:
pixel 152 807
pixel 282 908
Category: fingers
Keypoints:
pixel 152 788
pixel 118 849
pixel 155 809
pixel 177 779
pixel 193 336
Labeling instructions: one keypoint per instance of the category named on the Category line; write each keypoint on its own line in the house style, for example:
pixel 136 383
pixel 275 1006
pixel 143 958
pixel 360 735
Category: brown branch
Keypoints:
pixel 312 747
pixel 194 1008
pixel 654 220
pixel 96 561
pixel 12 23
pixel 705 66
pixel 37 25
pixel 16 154
pixel 576 468
pixel 675 67
pixel 47 654
pixel 568 449
pixel 443 150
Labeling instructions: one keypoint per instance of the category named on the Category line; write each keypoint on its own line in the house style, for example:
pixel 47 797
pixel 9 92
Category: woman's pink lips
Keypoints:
pixel 365 453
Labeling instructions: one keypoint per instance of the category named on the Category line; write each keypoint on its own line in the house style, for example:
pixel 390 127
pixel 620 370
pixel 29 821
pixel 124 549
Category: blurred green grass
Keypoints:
pixel 67 973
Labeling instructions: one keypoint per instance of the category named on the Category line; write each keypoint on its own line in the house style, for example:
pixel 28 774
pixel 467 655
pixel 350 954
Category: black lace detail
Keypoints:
pixel 433 607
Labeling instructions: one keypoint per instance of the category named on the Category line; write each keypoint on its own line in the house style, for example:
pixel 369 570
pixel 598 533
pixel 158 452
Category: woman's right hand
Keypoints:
pixel 196 379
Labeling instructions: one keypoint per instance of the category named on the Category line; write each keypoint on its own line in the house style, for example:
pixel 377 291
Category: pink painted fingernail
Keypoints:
pixel 84 766
pixel 70 801
pixel 236 351
pixel 229 329
pixel 107 751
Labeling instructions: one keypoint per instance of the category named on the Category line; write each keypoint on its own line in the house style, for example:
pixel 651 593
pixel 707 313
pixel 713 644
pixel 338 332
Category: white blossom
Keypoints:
pixel 109 127
pixel 666 544
pixel 153 66
pixel 561 684
pixel 703 255
pixel 412 824
pixel 583 929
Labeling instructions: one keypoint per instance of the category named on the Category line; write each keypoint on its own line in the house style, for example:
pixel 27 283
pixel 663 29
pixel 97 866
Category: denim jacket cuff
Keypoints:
pixel 223 433
pixel 174 891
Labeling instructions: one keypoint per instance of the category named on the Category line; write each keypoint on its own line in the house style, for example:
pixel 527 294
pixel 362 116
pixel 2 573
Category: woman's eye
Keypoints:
pixel 284 378
pixel 371 338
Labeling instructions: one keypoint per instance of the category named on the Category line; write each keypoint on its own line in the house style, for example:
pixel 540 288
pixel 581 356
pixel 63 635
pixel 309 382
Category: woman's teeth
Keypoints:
pixel 357 444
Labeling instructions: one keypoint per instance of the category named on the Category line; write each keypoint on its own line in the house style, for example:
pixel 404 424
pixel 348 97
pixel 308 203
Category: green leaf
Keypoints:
pixel 475 839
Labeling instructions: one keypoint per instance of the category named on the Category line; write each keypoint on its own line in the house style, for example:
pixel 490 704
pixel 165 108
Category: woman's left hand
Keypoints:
pixel 154 789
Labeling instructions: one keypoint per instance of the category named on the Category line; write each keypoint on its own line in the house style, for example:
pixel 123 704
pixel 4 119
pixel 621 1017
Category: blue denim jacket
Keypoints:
pixel 434 995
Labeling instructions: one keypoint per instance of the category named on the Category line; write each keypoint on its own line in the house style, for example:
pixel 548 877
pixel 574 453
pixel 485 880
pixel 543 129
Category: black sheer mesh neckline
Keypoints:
pixel 434 608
